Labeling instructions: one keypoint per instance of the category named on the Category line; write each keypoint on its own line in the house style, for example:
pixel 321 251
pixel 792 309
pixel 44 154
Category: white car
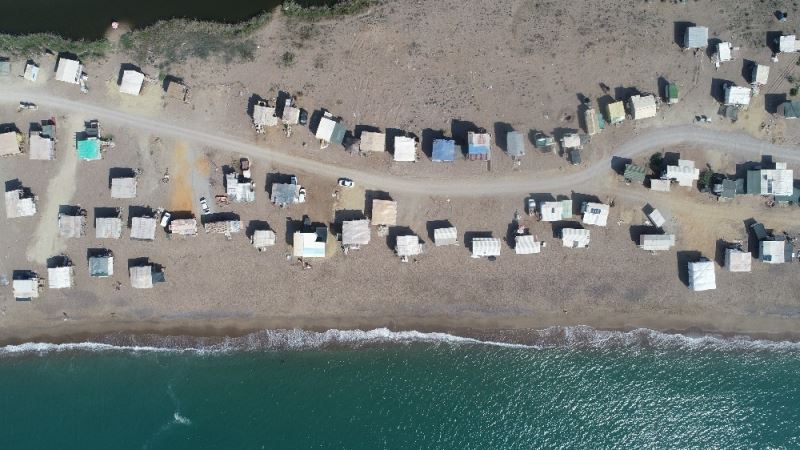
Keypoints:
pixel 346 182
pixel 204 205
pixel 165 219
pixel 301 196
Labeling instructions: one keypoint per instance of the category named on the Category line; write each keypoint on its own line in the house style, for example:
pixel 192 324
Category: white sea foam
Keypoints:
pixel 548 338
pixel 179 419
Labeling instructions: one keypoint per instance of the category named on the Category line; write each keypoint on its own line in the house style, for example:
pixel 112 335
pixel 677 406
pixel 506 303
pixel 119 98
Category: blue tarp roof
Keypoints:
pixel 478 149
pixel 443 150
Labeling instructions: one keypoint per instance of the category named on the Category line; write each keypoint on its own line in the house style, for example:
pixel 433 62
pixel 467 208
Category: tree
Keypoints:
pixel 657 163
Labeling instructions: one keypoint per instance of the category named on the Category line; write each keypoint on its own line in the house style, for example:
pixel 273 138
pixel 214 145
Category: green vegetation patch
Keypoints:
pixel 177 40
pixel 38 43
pixel 316 10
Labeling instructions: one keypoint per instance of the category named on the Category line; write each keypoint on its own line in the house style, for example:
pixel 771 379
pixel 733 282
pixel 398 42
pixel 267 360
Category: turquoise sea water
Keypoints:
pixel 385 390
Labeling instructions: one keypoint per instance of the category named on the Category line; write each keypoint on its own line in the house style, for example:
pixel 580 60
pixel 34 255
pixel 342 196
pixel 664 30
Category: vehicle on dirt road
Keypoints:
pixel 346 182
pixel 204 206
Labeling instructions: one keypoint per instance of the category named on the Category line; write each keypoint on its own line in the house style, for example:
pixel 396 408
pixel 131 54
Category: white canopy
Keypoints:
pixel 132 81
pixel 787 44
pixel 384 212
pixel 760 74
pixel 107 228
pixel 701 276
pixel 325 129
pixel 571 141
pixel 17 205
pixel 445 236
pixel 526 245
pixel 123 187
pixel 656 242
pixel 264 115
pixel 71 226
pixel 41 148
pixel 9 145
pixel 355 232
pixel 141 277
pixel 773 252
pixel 643 106
pixel 69 70
pixel 596 214
pixel 575 237
pixel 408 245
pixel 724 51
pixel 656 217
pixel 405 149
pixel 555 211
pixel 143 228
pixel 685 172
pixel 372 142
pixel 485 247
pixel 737 96
pixel 263 238
pixel 657 184
pixel 28 288
pixel 60 277
pixel 737 260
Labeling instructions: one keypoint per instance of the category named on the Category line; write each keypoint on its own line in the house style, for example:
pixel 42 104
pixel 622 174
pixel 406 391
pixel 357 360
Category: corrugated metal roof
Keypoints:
pixel 107 228
pixel 443 150
pixel 445 236
pixel 575 237
pixel 696 37
pixel 143 228
pixel 486 247
pixel 526 245
pixel 738 261
pixel 702 276
pixel 355 232
pixel 408 245
pixel 515 143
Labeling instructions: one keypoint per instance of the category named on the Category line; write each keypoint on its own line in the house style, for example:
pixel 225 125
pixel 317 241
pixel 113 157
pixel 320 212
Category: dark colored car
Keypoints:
pixel 303 116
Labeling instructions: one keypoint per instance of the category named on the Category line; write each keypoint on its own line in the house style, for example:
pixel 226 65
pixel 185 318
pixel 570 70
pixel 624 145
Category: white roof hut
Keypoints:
pixel 445 236
pixel 69 70
pixel 555 211
pixel 737 260
pixel 575 237
pixel 290 115
pixel 309 244
pixel 773 251
pixel 143 228
pixel 19 204
pixel 737 95
pixel 26 289
pixel 778 181
pixel 262 239
pixel 656 242
pixel 31 72
pixel 787 44
pixel 60 277
pixel 372 142
pixel 405 149
pixel 355 232
pixel 657 184
pixel 141 277
pixel 760 75
pixel 241 190
pixel 384 212
pixel 484 246
pixel 183 227
pixel 9 144
pixel 656 217
pixel 101 266
pixel 695 37
pixel 571 141
pixel 643 107
pixel 264 116
pixel 684 173
pixel 40 147
pixel 123 187
pixel 408 245
pixel 107 227
pixel 701 276
pixel 132 81
pixel 526 245
pixel 724 52
pixel 595 214
pixel 71 226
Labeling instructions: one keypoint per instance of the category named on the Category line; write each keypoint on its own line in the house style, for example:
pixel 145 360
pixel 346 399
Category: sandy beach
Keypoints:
pixel 391 68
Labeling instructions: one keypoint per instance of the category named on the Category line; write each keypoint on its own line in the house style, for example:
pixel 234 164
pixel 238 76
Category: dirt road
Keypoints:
pixel 652 139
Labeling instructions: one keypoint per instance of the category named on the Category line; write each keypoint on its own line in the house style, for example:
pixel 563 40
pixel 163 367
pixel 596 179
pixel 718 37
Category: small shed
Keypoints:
pixel 143 228
pixel 656 218
pixel 485 246
pixel 572 140
pixel 702 276
pixel 616 112
pixel 575 237
pixel 123 187
pixel 285 194
pixel 672 93
pixel 5 67
pixel 88 148
pixel 261 239
pixel 634 173
pixel 60 277
pixel 40 147
pixel 69 70
pixel 790 109
pixel 310 244
pixel 408 245
pixel 101 266
pixel 526 245
pixel 695 37
pixel 479 146
pixel 555 211
pixel 107 227
pixel 384 212
pixel 264 116
pixel 355 233
pixel 141 277
pixel 737 96
pixel 656 242
pixel 660 185
pixel 20 203
pixel 183 227
pixel 372 142
pixel 329 130
pixel 131 83
pixel 290 114
pixel 775 251
pixel 787 44
pixel 10 143
pixel 177 90
pixel 737 260
pixel 760 75
pixel 443 150
pixel 684 173
pixel 31 72
pixel 595 213
pixel 592 121
pixel 644 107
pixel 405 149
pixel 515 144
pixel 445 236
pixel 724 52
pixel 26 288
pixel 240 189
pixel 71 226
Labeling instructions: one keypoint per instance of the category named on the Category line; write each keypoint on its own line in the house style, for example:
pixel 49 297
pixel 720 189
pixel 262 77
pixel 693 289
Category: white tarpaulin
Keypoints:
pixel 656 242
pixel 643 106
pixel 596 214
pixel 408 245
pixel 405 149
pixel 575 237
pixel 738 261
pixel 132 81
pixel 760 74
pixel 60 277
pixel 143 228
pixel 71 226
pixel 107 227
pixel 18 205
pixel 141 277
pixel 355 232
pixel 372 142
pixel 69 71
pixel 737 96
pixel 660 185
pixel 485 247
pixel 656 217
pixel 445 236
pixel 28 288
pixel 526 245
pixel 787 44
pixel 9 145
pixel 263 238
pixel 123 187
pixel 701 276
pixel 41 148
pixel 384 212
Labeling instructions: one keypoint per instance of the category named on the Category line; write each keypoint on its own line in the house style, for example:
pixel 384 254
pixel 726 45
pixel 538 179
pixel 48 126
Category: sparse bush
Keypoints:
pixel 34 44
pixel 287 59
pixel 304 10
pixel 793 92
pixel 657 163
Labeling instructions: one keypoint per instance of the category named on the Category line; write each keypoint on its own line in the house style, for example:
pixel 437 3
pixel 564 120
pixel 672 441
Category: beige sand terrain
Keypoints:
pixel 434 66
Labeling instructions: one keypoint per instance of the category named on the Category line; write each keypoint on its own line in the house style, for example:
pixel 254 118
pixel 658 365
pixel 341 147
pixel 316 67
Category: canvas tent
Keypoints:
pixel 479 146
pixel 737 96
pixel 405 149
pixel 643 107
pixel 41 147
pixel 702 276
pixel 572 140
pixel 555 211
pixel 372 142
pixel 285 194
pixel 143 228
pixel 515 144
pixel 445 236
pixel 656 242
pixel 443 150
pixel 310 244
pixel 526 245
pixel 123 187
pixel 107 227
pixel 384 212
pixel 485 246
pixel 408 245
pixel 69 70
pixel 616 112
pixel 789 109
pixel 695 37
pixel 101 266
pixel 141 277
pixel 355 232
pixel 19 203
pixel 737 260
pixel 329 130
pixel 71 226
pixel 788 44
pixel 760 75
pixel 575 237
pixel 262 239
pixel 26 288
pixel 595 213
pixel 634 173
pixel 775 251
pixel 656 218
pixel 31 72
pixel 684 173
pixel 183 227
pixel 264 116
pixel 9 144
pixel 60 277
pixel 660 185
pixel 131 83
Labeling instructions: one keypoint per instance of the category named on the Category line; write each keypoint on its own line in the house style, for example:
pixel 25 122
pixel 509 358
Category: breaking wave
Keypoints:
pixel 574 337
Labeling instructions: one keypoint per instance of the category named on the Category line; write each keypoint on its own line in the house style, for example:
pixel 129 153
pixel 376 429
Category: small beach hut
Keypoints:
pixel 123 187
pixel 329 131
pixel 702 276
pixel 616 112
pixel 695 37
pixel 131 83
pixel 443 150
pixel 240 189
pixel 787 44
pixel 261 239
pixel 672 93
pixel 656 218
pixel 355 233
pixel 141 277
pixel 556 211
pixel 284 194
pixel 264 116
pixel 485 246
pixel 660 185
pixel 71 226
pixel 31 72
pixel 775 250
pixel 526 245
pixel 143 228
pixel 737 260
pixel 40 147
pixel 656 242
pixel 684 173
pixel 634 173
pixel 575 237
pixel 310 244
pixel 372 142
pixel 101 266
pixel 10 143
pixel 60 277
pixel 107 227
pixel 183 227
pixel 407 245
pixel 88 148
pixel 177 90
pixel 445 236
pixel 405 149
pixel 595 213
pixel 760 75
pixel 644 107
pixel 789 109
pixel 25 286
pixel 20 203
pixel 515 144
pixel 69 70
pixel 737 95
pixel 479 146
pixel 384 212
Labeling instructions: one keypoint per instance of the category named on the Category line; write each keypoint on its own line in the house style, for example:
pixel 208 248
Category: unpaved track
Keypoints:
pixel 653 139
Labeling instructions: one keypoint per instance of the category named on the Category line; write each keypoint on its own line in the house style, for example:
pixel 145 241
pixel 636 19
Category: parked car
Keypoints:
pixel 301 196
pixel 245 165
pixel 165 219
pixel 293 180
pixel 303 119
pixel 346 182
pixel 204 205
